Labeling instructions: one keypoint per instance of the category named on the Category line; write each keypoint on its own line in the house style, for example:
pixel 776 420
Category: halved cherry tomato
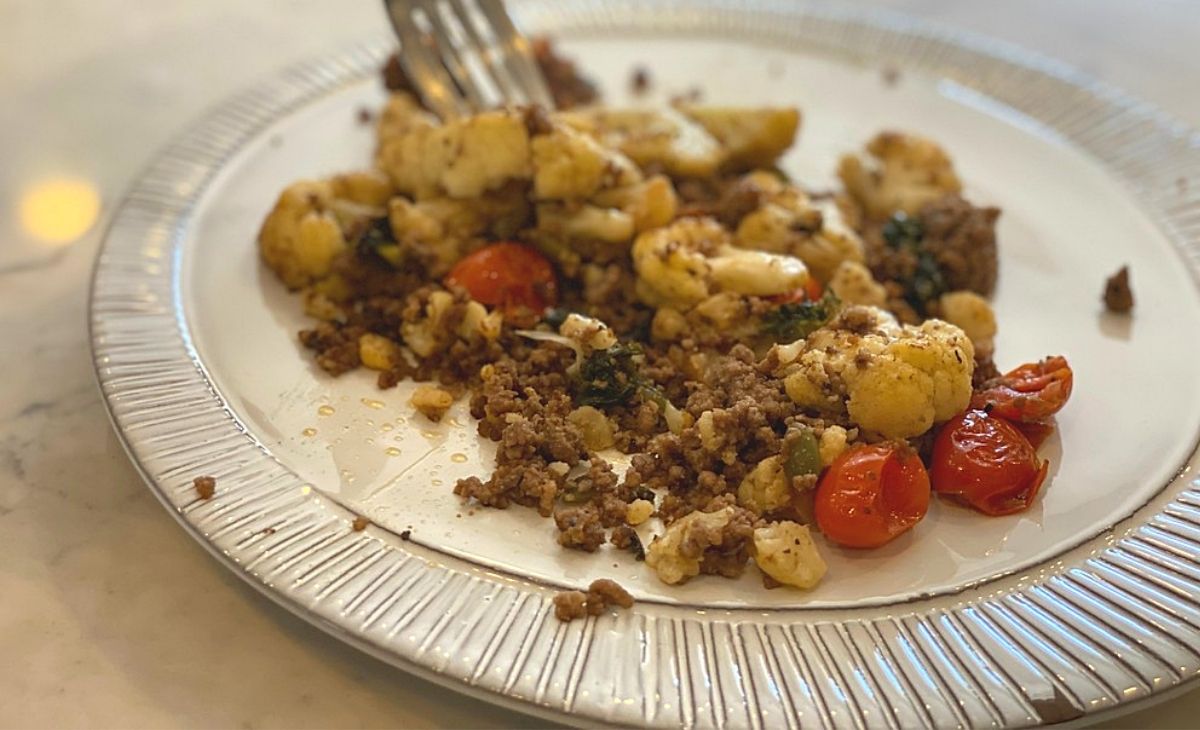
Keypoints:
pixel 987 463
pixel 507 275
pixel 810 292
pixel 871 494
pixel 1032 392
pixel 1036 432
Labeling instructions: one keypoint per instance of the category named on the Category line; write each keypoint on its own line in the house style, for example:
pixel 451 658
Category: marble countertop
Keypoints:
pixel 111 616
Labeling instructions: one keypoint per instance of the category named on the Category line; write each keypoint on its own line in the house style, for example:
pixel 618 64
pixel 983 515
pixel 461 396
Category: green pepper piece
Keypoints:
pixel 801 454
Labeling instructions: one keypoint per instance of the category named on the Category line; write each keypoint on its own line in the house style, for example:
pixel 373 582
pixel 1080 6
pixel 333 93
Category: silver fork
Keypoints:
pixel 466 56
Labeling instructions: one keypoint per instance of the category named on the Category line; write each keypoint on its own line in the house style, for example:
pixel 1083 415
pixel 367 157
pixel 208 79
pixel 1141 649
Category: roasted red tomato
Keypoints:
pixel 1032 392
pixel 507 275
pixel 987 463
pixel 810 292
pixel 1036 432
pixel 871 494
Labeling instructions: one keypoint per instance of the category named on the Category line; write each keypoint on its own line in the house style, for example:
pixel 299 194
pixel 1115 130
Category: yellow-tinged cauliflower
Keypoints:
pixel 751 137
pixel 973 314
pixel 901 172
pixel 892 380
pixel 834 440
pixel 378 352
pixel 368 188
pixel 440 229
pixel 432 401
pixel 595 427
pixel 655 137
pixel 430 334
pixel 682 264
pixel 853 284
pixel 786 552
pixel 676 555
pixel 301 236
pixel 788 222
pixel 401 115
pixel 650 203
pixel 612 217
pixel 766 488
pixel 585 223
pixel 462 159
pixel 570 165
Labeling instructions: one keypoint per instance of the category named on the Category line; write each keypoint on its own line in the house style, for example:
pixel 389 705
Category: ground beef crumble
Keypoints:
pixel 602 593
pixel 1118 296
pixel 205 487
pixel 959 238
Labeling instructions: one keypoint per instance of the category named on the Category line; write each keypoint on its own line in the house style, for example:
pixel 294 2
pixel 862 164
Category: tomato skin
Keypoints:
pixel 871 494
pixel 1032 392
pixel 810 292
pixel 1036 432
pixel 986 463
pixel 507 275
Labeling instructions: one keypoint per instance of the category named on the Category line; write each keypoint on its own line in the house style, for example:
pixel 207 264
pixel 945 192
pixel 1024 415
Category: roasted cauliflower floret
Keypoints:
pixel 853 284
pixel 756 273
pixel 570 165
pixel 429 333
pixel 588 332
pixel 750 137
pixel 786 552
pixel 432 401
pixel 832 443
pixel 650 203
pixel 890 380
pixel 378 352
pixel 676 555
pixel 788 222
pixel 653 137
pixel 401 115
pixel 585 223
pixel 369 188
pixel 595 427
pixel 440 229
pixel 301 236
pixel 973 315
pixel 682 264
pixel 900 172
pixel 766 488
pixel 461 159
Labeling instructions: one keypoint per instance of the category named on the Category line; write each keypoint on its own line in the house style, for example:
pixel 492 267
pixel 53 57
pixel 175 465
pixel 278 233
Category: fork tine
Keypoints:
pixel 423 65
pixel 497 71
pixel 518 56
pixel 452 57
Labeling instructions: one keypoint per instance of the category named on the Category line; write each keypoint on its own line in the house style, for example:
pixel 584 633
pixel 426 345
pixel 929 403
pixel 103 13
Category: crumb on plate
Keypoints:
pixel 206 487
pixel 1118 296
pixel 639 80
pixel 602 593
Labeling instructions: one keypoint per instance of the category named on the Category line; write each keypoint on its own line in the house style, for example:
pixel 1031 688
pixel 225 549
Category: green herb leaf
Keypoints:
pixel 926 284
pixel 377 233
pixel 901 231
pixel 795 320
pixel 608 377
pixel 378 240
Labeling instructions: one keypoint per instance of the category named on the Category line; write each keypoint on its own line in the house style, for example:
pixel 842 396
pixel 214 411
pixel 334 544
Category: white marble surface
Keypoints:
pixel 109 615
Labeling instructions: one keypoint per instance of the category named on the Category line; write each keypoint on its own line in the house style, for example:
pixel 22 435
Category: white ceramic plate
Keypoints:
pixel 1086 602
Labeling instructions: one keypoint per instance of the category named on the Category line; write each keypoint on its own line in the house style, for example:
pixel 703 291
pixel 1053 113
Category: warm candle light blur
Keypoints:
pixel 59 210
